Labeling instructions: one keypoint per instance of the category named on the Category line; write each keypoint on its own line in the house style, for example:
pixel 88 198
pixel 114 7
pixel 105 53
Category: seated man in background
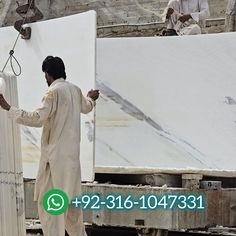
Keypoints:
pixel 230 19
pixel 184 16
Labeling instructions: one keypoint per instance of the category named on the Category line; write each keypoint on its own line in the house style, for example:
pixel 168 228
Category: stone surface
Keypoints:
pixel 110 13
pixel 165 104
pixel 219 204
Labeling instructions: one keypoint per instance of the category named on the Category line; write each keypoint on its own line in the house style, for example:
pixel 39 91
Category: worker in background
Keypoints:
pixel 59 166
pixel 230 19
pixel 184 16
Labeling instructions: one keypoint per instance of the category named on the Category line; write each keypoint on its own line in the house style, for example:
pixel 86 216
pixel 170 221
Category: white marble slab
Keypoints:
pixel 166 104
pixel 12 213
pixel 73 39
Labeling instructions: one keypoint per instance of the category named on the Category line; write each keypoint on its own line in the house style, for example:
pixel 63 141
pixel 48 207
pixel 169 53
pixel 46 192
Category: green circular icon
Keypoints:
pixel 55 202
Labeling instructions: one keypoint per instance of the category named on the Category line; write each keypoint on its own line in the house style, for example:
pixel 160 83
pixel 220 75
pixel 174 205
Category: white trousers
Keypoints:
pixel 71 221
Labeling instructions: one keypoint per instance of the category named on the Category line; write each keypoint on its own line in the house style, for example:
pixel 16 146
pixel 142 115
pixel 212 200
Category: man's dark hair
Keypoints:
pixel 54 66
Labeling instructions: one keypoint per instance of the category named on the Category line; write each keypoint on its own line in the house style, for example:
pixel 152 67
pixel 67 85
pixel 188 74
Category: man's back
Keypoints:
pixel 65 117
pixel 61 131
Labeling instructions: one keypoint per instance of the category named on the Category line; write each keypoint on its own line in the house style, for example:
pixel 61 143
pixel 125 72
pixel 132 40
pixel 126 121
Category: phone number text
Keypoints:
pixel 143 202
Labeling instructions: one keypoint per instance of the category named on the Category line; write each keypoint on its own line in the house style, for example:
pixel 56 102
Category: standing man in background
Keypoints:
pixel 59 166
pixel 230 18
pixel 184 16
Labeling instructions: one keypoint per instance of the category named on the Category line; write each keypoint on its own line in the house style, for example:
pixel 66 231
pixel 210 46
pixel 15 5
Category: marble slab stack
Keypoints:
pixel 12 216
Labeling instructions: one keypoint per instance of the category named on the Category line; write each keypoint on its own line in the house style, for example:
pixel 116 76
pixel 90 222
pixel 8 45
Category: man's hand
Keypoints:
pixel 94 94
pixel 4 104
pixel 184 18
pixel 170 11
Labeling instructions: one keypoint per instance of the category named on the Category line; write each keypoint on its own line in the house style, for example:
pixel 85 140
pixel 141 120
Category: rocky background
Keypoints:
pixel 115 18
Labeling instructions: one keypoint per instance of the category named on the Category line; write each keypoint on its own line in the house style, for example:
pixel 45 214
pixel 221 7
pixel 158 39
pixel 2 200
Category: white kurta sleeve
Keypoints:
pixel 37 117
pixel 174 4
pixel 203 11
pixel 87 104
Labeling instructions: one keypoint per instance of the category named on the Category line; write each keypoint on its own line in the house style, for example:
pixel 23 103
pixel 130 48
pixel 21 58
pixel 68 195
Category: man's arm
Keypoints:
pixel 35 118
pixel 172 6
pixel 87 104
pixel 170 11
pixel 203 11
pixel 185 17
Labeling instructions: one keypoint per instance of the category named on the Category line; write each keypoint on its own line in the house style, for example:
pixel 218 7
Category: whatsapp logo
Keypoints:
pixel 55 202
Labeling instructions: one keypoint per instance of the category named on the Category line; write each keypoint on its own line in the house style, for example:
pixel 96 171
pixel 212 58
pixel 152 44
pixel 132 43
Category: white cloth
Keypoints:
pixel 60 142
pixel 198 9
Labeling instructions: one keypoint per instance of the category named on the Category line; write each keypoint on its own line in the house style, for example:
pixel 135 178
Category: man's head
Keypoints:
pixel 54 68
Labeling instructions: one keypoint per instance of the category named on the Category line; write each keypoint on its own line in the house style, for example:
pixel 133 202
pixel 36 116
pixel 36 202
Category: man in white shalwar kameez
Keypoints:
pixel 230 18
pixel 59 166
pixel 184 16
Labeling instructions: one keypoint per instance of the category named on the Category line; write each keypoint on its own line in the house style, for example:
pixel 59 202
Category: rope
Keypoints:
pixel 11 56
pixel 12 67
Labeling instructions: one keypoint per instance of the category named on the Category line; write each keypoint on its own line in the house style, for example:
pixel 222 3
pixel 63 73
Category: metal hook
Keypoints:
pixel 23 10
